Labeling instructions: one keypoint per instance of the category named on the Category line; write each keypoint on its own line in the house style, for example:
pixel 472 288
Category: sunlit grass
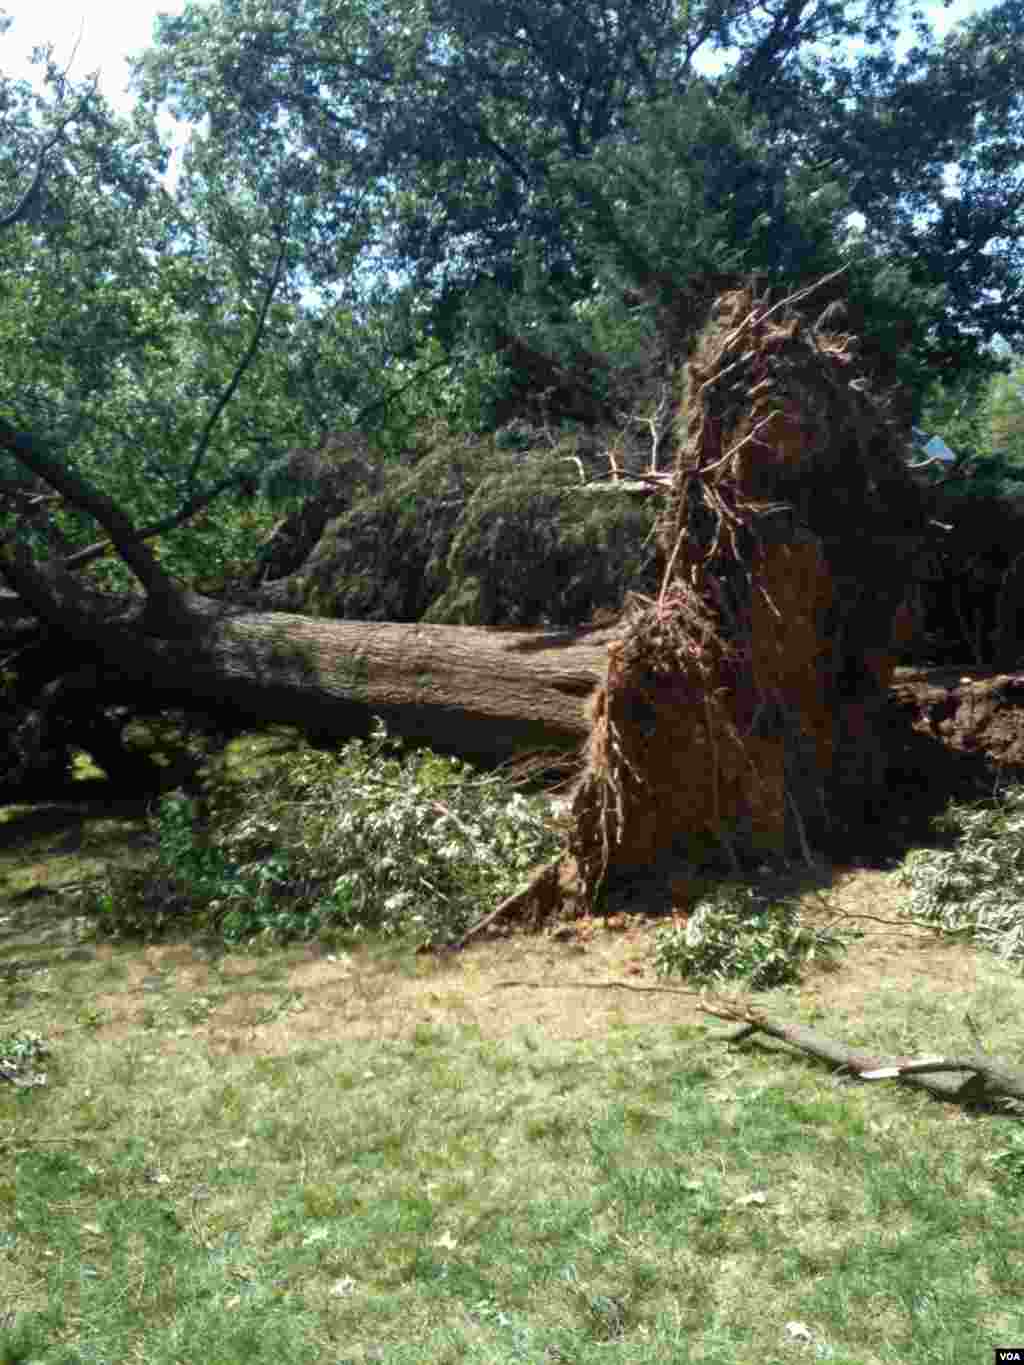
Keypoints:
pixel 344 1151
pixel 649 1196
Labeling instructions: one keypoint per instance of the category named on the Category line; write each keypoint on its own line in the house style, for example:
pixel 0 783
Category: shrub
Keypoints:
pixel 371 839
pixel 22 1055
pixel 977 887
pixel 739 933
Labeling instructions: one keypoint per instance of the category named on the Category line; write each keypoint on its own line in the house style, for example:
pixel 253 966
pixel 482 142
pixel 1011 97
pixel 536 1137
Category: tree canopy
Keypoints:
pixel 386 218
pixel 437 137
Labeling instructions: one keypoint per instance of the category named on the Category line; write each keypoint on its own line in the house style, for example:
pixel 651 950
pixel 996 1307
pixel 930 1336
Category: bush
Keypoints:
pixel 977 887
pixel 411 845
pixel 22 1056
pixel 739 933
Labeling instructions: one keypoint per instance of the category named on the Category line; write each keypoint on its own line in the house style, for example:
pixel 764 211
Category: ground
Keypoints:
pixel 349 995
pixel 366 1155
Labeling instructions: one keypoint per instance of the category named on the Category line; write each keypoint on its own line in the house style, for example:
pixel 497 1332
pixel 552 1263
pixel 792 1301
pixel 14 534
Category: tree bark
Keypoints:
pixel 481 694
pixel 487 695
pixel 975 1078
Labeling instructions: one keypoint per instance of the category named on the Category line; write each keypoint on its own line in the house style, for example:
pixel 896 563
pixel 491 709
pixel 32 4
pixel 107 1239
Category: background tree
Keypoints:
pixel 930 149
pixel 135 318
pixel 983 423
pixel 445 131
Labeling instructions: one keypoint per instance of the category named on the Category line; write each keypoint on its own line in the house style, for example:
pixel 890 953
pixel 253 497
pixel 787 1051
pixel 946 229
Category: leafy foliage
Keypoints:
pixel 127 318
pixel 441 144
pixel 889 127
pixel 697 190
pixel 22 1055
pixel 407 845
pixel 738 933
pixel 372 205
pixel 483 531
pixel 975 888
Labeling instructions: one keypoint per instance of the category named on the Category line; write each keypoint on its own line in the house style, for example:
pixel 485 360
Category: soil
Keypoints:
pixel 966 742
pixel 970 711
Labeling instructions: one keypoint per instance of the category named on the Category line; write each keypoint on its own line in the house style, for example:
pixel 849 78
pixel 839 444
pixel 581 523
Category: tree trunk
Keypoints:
pixel 486 695
pixel 481 694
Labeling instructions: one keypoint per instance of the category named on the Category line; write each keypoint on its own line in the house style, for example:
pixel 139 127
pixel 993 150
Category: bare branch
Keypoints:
pixel 930 463
pixel 988 1078
pixel 240 369
pixel 659 423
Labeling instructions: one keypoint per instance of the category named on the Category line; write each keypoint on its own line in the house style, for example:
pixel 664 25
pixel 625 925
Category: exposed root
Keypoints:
pixel 724 710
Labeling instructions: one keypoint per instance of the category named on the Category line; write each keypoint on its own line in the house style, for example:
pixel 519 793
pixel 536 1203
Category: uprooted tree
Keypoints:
pixel 742 711
pixel 155 342
pixel 75 655
pixel 736 713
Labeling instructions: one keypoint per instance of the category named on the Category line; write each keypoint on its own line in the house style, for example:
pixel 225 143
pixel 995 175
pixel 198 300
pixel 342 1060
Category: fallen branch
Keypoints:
pixel 971 1079
pixel 903 923
pixel 986 1078
pixel 595 986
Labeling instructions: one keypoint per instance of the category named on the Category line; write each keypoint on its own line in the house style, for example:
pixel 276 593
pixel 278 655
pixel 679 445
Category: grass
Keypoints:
pixel 302 1155
pixel 288 1158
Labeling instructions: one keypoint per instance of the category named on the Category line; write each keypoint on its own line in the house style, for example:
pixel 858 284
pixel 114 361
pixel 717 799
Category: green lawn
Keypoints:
pixel 357 1153
pixel 371 1157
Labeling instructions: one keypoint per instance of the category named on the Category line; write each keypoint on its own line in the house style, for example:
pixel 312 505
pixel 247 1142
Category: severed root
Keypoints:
pixel 537 900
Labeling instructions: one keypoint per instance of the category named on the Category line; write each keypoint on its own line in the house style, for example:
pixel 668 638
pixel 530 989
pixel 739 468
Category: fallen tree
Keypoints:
pixel 485 695
pixel 738 711
pixel 761 668
pixel 71 655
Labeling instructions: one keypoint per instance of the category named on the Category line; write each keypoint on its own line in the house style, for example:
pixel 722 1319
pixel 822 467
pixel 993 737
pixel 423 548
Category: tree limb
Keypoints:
pixel 987 1079
pixel 156 528
pixel 597 986
pixel 25 203
pixel 79 491
pixel 52 594
pixel 243 364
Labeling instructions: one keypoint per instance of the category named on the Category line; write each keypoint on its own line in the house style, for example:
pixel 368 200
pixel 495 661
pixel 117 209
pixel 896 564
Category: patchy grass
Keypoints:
pixel 361 1154
pixel 371 1156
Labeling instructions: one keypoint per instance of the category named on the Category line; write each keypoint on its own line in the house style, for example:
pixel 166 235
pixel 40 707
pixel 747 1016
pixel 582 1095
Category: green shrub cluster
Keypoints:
pixel 737 933
pixel 22 1057
pixel 367 840
pixel 977 887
